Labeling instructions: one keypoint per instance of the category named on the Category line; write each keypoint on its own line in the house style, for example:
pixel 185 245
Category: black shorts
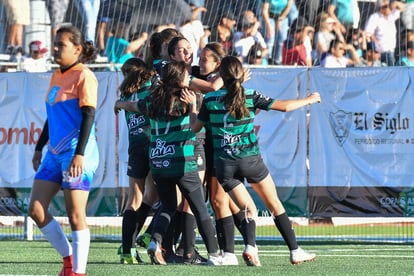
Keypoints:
pixel 231 172
pixel 138 160
pixel 187 183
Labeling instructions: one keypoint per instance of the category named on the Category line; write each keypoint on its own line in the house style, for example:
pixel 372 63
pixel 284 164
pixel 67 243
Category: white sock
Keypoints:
pixel 54 234
pixel 80 241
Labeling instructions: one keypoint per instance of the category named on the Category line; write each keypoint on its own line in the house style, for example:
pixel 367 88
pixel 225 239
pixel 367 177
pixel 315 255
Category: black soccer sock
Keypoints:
pixel 238 218
pixel 248 227
pixel 225 234
pixel 142 214
pixel 188 233
pixel 128 228
pixel 284 226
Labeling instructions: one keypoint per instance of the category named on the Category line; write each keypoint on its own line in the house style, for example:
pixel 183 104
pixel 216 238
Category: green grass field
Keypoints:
pixel 333 258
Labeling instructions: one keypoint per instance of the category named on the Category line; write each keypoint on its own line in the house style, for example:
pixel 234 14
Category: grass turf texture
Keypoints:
pixel 333 258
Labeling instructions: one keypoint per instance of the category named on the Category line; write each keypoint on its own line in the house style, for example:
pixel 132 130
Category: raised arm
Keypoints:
pixel 290 105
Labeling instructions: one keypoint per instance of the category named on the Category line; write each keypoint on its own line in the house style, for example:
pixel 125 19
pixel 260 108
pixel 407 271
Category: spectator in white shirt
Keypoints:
pixel 248 36
pixel 36 61
pixel 336 57
pixel 381 29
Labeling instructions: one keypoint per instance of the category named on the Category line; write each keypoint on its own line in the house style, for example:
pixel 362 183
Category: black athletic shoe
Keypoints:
pixel 194 258
pixel 174 259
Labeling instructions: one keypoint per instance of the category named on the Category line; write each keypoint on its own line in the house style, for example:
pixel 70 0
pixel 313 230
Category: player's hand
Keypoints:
pixel 36 160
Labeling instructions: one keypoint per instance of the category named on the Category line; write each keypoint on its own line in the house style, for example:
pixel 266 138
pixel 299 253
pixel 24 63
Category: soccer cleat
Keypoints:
pixel 128 259
pixel 144 240
pixel 229 259
pixel 138 257
pixel 214 260
pixel 67 267
pixel 299 256
pixel 155 253
pixel 251 256
pixel 194 258
pixel 174 259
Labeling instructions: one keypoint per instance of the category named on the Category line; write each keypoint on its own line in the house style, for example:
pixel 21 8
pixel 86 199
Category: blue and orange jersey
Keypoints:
pixel 67 93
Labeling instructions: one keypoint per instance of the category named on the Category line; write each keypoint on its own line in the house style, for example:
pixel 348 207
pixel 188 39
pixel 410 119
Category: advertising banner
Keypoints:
pixel 361 143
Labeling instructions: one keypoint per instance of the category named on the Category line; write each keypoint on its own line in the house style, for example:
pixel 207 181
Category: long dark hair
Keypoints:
pixel 165 96
pixel 136 72
pixel 156 41
pixel 231 70
pixel 173 44
pixel 77 38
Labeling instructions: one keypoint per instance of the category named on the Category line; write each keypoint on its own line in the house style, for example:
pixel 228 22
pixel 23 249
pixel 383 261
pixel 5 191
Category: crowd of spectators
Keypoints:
pixel 327 33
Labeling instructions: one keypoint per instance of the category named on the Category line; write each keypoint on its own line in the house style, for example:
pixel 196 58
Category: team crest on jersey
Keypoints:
pixel 162 149
pixel 51 96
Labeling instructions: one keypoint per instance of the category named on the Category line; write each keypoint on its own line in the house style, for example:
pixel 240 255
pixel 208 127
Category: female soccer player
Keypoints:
pixel 142 194
pixel 172 159
pixel 72 157
pixel 230 112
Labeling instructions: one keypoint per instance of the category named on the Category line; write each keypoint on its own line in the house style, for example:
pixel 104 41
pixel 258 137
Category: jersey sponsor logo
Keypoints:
pixel 162 149
pixel 161 163
pixel 227 142
pixel 135 120
pixel 51 96
pixel 229 139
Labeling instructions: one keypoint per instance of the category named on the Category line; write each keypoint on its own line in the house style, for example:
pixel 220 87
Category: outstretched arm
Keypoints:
pixel 290 105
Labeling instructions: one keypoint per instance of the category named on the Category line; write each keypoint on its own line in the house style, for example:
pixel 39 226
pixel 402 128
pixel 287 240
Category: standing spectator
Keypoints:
pixel 230 112
pixel 18 15
pixel 36 61
pixel 308 9
pixel 105 14
pixel 72 157
pixel 346 12
pixel 336 57
pixel 88 10
pixel 407 15
pixel 224 33
pixel 118 49
pixel 381 29
pixel 408 58
pixel 57 13
pixel 295 51
pixel 172 159
pixel 277 16
pixel 328 30
pixel 248 36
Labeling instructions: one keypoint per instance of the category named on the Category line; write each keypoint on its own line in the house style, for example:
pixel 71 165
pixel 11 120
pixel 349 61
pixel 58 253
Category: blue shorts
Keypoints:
pixel 54 168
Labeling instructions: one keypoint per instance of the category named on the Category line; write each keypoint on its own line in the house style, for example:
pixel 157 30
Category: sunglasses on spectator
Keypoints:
pixel 385 6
